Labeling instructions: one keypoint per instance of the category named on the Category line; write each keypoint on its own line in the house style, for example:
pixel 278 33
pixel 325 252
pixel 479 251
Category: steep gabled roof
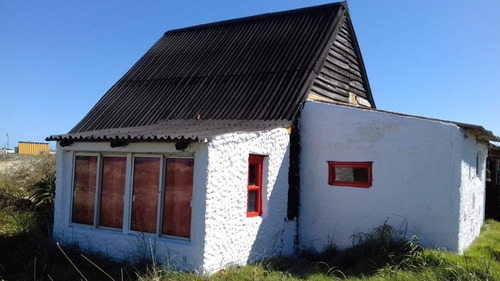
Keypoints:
pixel 258 68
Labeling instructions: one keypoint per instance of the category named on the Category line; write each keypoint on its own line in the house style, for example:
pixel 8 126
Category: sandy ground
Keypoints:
pixel 11 162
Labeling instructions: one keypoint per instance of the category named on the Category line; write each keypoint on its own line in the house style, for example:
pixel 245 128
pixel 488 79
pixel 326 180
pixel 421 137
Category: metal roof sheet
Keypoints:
pixel 189 130
pixel 254 68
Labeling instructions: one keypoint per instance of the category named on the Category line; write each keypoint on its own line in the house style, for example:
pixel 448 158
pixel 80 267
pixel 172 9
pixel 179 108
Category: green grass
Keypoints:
pixel 382 254
pixel 28 253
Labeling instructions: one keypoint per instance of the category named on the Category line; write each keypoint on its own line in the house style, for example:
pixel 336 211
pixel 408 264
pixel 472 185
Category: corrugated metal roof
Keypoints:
pixel 254 68
pixel 189 130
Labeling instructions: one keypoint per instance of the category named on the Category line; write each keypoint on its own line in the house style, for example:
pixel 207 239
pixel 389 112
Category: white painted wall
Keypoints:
pixel 124 244
pixel 232 237
pixel 472 190
pixel 418 178
pixel 221 234
pixel 424 178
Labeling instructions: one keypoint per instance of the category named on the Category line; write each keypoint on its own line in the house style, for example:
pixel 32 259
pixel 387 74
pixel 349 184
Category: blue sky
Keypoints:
pixel 438 59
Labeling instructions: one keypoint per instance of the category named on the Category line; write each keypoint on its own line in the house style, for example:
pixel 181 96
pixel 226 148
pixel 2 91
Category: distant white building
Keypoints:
pixel 7 151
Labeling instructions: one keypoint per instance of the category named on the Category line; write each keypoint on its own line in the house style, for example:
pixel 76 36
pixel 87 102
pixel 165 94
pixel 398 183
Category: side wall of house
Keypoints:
pixel 122 243
pixel 472 188
pixel 417 178
pixel 231 236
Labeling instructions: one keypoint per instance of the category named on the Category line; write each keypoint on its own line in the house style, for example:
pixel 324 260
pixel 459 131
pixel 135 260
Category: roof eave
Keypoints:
pixel 173 131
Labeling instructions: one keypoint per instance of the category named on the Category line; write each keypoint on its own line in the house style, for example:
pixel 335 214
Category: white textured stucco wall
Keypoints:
pixel 418 178
pixel 122 244
pixel 472 190
pixel 231 236
pixel 221 234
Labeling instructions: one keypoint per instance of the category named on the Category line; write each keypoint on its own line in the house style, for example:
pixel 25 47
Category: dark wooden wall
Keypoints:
pixel 341 74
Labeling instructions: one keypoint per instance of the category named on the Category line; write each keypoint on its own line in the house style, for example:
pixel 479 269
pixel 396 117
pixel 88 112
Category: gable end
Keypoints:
pixel 343 77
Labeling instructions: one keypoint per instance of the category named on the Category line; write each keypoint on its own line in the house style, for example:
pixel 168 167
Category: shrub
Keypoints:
pixel 43 192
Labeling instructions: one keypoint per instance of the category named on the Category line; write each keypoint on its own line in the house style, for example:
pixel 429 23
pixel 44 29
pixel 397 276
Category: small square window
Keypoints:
pixel 355 174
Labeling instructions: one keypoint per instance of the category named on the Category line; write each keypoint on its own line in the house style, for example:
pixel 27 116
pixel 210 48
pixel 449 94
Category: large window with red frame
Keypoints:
pixel 355 174
pixel 254 194
pixel 161 191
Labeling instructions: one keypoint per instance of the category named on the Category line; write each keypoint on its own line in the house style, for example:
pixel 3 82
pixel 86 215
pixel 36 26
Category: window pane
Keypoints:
pixel 351 174
pixel 112 191
pixel 252 201
pixel 360 174
pixel 252 174
pixel 145 194
pixel 343 174
pixel 84 189
pixel 178 195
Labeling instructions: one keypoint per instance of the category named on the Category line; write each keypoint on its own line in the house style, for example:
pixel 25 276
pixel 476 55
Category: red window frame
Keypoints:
pixel 354 165
pixel 254 206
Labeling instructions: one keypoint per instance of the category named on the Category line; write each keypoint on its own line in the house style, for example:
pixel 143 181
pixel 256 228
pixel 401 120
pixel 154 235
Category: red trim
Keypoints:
pixel 257 186
pixel 336 164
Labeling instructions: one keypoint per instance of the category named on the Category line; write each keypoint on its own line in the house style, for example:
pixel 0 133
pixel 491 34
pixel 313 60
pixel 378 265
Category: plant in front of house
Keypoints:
pixel 43 193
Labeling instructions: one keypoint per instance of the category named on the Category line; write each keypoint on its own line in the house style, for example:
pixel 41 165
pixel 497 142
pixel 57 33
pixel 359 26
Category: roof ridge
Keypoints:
pixel 257 17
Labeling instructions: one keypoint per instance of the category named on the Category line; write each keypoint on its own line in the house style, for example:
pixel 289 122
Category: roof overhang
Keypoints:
pixel 173 131
pixel 480 132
